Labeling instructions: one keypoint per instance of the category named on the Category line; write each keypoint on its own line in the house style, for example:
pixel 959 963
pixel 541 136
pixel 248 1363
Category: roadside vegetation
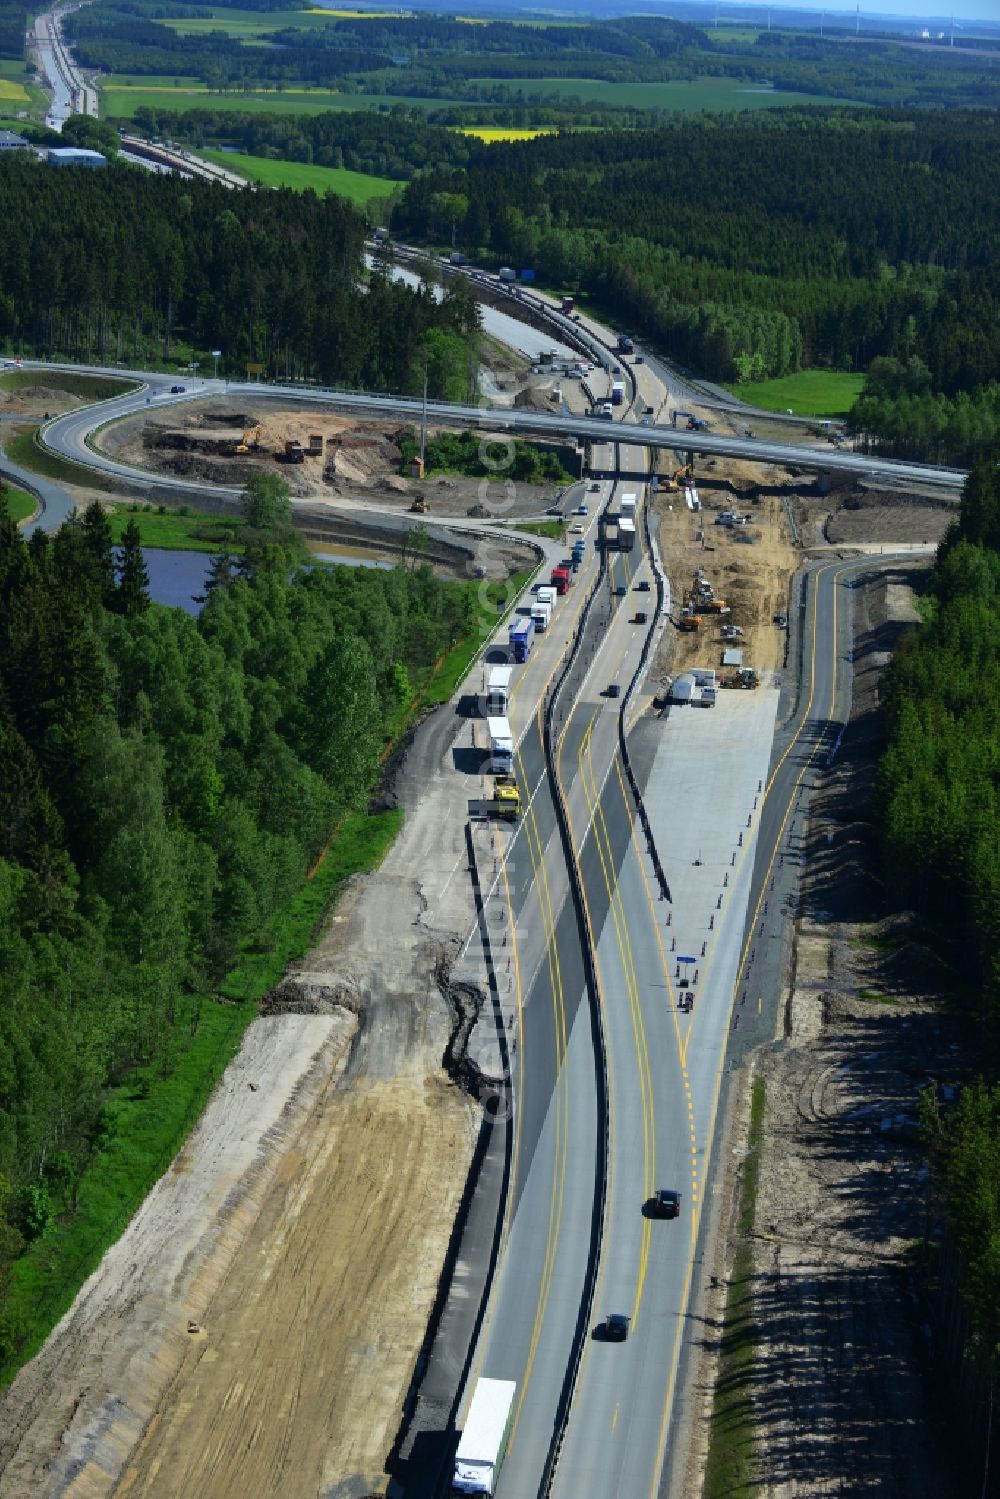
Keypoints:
pixel 20 504
pixel 940 822
pixel 467 453
pixel 24 449
pixel 175 816
pixel 732 1465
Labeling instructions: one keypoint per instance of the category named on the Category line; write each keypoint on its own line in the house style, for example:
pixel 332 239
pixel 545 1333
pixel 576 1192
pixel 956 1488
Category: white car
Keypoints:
pixel 576 529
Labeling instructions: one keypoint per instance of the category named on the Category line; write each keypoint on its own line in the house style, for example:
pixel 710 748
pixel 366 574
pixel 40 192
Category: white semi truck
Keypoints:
pixel 541 615
pixel 501 746
pixel 484 1437
pixel 498 691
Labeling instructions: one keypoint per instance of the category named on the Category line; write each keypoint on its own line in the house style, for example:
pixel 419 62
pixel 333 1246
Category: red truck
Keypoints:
pixel 560 579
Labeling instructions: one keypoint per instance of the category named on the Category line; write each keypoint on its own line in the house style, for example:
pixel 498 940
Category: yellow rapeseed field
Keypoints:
pixel 501 133
pixel 16 92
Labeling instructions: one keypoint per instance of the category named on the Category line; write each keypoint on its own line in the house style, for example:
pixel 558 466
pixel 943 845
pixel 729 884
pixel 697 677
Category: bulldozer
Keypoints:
pixel 419 506
pixel 249 442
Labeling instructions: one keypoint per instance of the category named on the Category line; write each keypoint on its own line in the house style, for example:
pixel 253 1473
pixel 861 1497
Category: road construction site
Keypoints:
pixel 281 1330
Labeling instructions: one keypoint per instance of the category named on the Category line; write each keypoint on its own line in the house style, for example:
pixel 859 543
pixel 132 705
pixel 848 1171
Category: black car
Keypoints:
pixel 177 390
pixel 643 585
pixel 615 1327
pixel 665 1204
pixel 640 617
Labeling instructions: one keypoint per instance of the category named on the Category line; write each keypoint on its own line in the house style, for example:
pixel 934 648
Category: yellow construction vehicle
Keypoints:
pixel 683 475
pixel 506 799
pixel 688 621
pixel 249 442
pixel 420 505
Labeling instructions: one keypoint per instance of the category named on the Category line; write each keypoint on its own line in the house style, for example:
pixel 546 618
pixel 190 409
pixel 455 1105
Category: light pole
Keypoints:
pixel 216 356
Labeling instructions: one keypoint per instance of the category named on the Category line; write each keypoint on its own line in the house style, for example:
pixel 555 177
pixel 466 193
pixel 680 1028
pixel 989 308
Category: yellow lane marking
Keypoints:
pixel 602 842
pixel 561 1101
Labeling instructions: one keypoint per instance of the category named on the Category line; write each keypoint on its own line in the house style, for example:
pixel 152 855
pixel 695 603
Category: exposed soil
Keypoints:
pixel 850 514
pixel 751 568
pixel 358 460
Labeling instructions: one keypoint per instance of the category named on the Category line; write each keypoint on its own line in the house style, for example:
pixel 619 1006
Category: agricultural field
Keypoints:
pixel 357 186
pixel 120 100
pixel 491 134
pixel 808 393
pixel 704 94
pixel 250 23
pixel 13 92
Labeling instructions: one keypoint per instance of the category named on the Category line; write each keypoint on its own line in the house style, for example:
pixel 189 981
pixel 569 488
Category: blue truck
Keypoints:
pixel 520 638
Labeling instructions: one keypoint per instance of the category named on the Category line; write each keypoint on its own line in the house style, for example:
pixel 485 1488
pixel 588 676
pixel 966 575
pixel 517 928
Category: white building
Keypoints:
pixel 75 156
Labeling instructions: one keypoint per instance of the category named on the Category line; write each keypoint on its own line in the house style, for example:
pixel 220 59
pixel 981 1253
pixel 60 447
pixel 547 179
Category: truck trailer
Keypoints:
pixel 628 504
pixel 519 637
pixel 498 691
pixel 545 594
pixel 625 344
pixel 618 393
pixel 484 1437
pixel 501 746
pixel 626 534
pixel 541 615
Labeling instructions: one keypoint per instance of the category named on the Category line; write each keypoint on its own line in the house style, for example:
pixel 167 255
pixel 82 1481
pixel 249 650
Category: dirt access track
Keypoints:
pixel 255 1329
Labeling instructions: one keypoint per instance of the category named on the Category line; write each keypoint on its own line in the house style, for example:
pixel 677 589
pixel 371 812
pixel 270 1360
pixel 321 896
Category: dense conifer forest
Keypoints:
pixel 940 816
pixel 121 266
pixel 756 245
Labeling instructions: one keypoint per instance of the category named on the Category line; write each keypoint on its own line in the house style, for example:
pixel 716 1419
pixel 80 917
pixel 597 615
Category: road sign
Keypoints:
pixel 686 960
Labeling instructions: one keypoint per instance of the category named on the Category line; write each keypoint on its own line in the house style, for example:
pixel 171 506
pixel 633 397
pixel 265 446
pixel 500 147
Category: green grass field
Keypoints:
pixel 357 186
pixel 704 94
pixel 20 504
pixel 122 96
pixel 809 393
pixel 173 531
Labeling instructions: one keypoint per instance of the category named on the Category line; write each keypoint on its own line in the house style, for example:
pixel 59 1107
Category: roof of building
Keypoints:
pixel 11 138
pixel 732 658
pixel 75 153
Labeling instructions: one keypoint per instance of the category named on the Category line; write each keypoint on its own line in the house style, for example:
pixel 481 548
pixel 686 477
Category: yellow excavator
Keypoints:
pixel 249 442
pixel 679 477
pixel 419 506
